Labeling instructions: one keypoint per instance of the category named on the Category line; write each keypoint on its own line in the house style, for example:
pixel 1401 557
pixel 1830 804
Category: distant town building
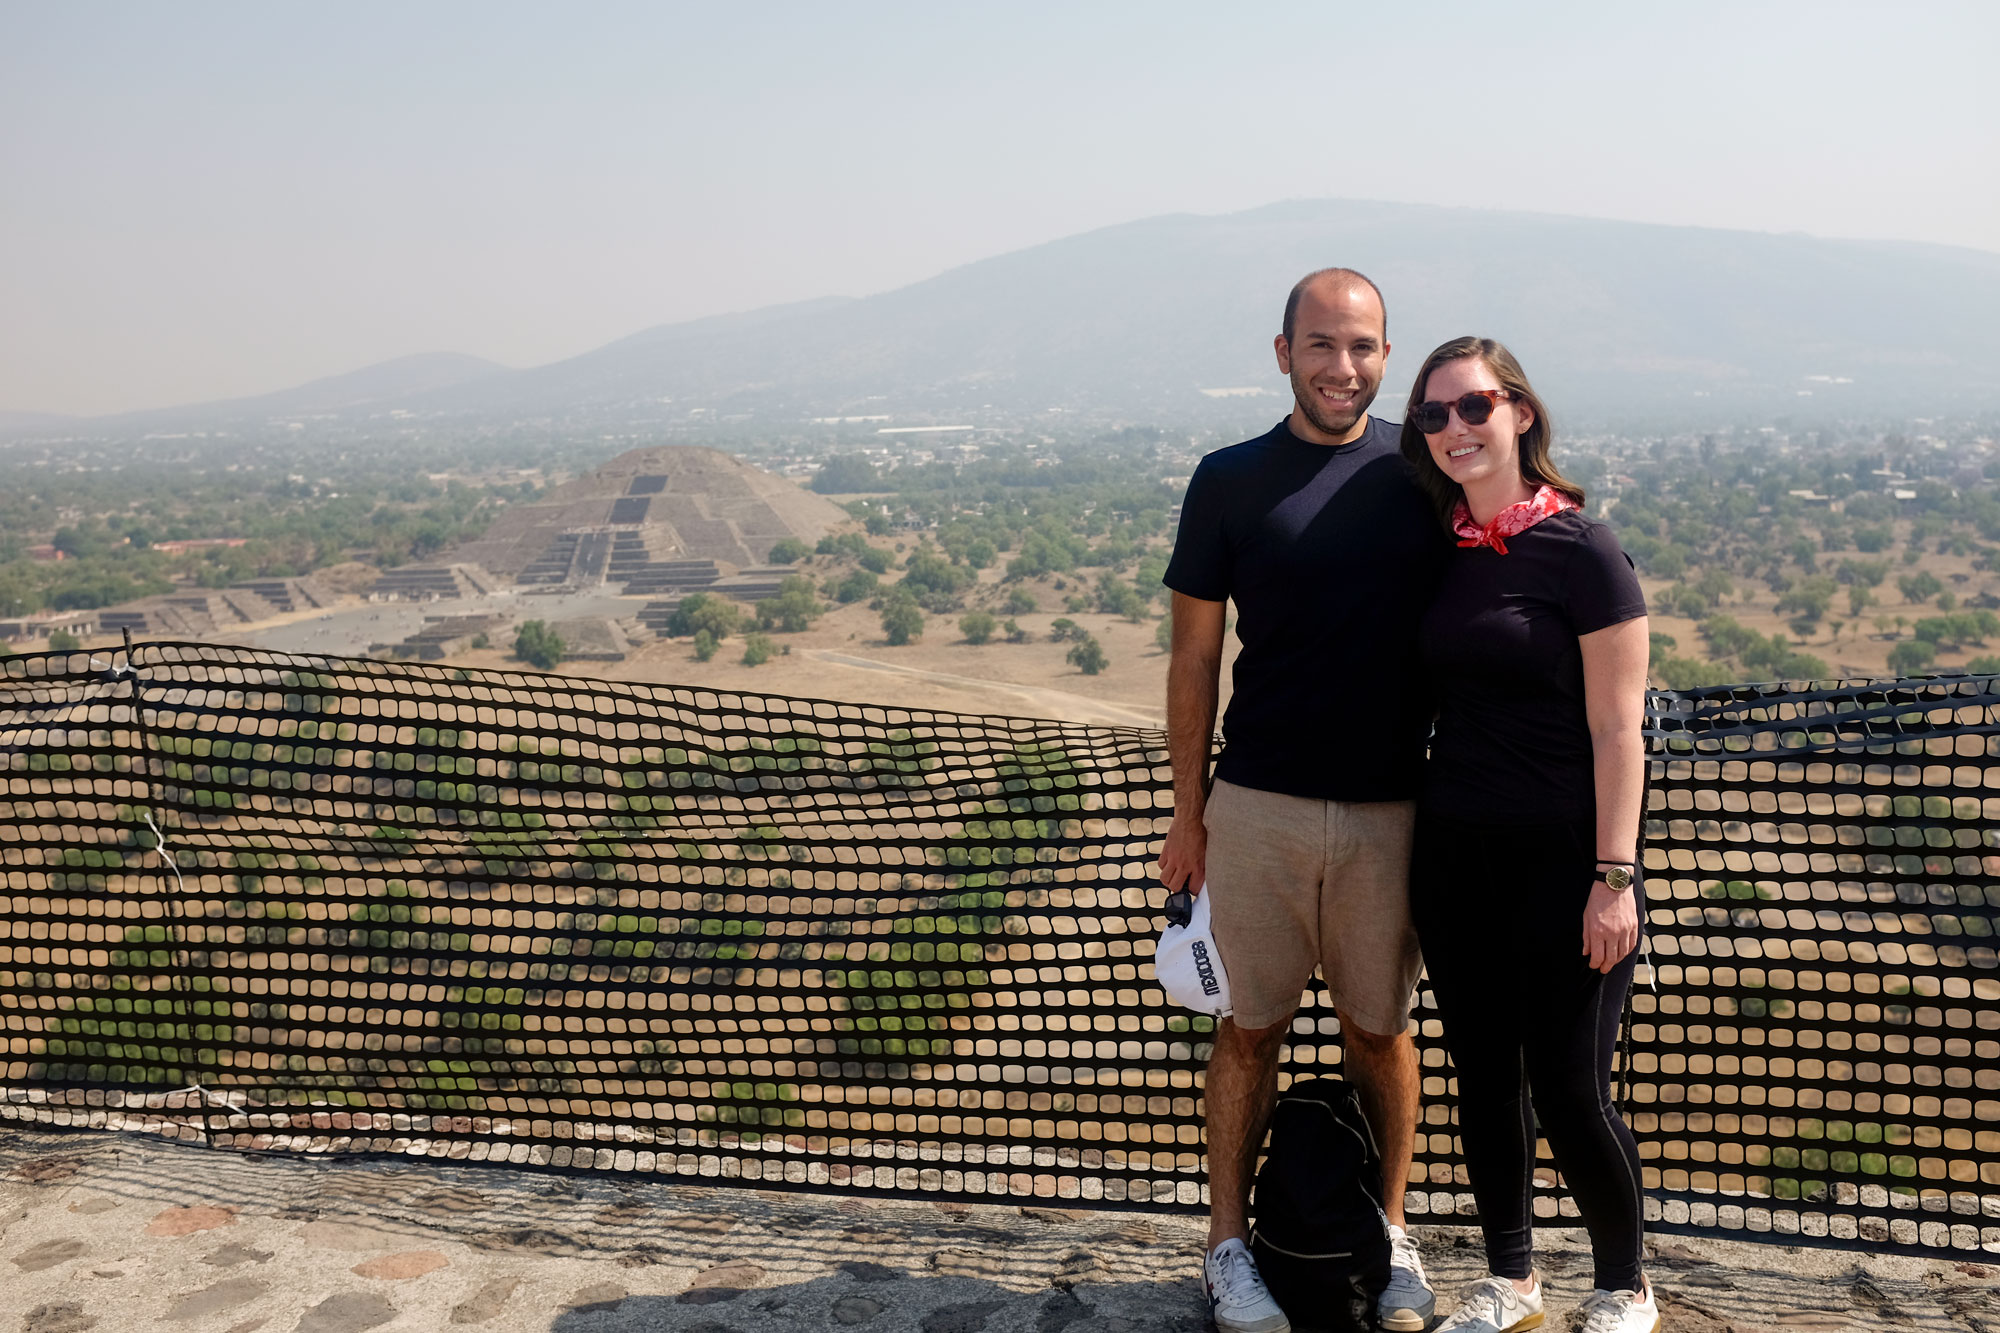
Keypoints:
pixel 183 546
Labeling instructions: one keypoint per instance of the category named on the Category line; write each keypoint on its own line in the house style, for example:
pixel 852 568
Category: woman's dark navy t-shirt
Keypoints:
pixel 1330 554
pixel 1500 648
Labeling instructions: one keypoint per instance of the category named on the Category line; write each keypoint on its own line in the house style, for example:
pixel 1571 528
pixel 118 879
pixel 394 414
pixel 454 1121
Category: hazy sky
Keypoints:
pixel 202 200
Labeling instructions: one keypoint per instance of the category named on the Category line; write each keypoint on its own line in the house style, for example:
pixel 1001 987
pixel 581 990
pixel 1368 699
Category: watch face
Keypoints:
pixel 1618 879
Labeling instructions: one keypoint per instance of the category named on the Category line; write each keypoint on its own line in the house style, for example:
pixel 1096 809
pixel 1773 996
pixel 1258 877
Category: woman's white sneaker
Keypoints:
pixel 1493 1306
pixel 1407 1303
pixel 1237 1297
pixel 1619 1312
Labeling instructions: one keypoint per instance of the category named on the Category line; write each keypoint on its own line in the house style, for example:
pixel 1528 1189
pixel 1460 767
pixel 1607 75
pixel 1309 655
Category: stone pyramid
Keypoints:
pixel 650 509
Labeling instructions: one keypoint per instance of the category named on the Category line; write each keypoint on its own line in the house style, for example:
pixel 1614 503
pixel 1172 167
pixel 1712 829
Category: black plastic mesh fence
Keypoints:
pixel 264 900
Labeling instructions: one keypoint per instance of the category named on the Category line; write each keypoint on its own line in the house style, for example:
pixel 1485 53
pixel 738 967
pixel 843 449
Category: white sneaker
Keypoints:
pixel 1407 1303
pixel 1493 1306
pixel 1237 1297
pixel 1619 1312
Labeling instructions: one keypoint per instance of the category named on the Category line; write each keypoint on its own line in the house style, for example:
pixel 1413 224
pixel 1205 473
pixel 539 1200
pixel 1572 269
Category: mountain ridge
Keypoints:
pixel 1137 318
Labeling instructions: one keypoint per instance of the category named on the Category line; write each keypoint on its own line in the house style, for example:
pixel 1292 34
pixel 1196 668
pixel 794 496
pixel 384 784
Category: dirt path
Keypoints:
pixel 1041 701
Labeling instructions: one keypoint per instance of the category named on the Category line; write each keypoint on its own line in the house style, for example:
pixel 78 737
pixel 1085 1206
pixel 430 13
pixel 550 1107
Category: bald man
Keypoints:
pixel 1331 553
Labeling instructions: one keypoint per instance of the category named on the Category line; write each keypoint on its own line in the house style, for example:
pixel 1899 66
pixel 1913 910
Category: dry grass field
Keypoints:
pixel 845 657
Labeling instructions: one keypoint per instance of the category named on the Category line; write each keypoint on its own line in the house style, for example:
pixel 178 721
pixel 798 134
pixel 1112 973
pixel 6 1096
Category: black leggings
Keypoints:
pixel 1500 914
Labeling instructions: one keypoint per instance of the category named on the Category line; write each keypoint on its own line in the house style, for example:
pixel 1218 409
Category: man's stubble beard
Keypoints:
pixel 1308 402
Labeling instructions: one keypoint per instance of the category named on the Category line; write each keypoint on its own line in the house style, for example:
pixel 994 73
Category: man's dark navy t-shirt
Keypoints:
pixel 1331 554
pixel 1500 646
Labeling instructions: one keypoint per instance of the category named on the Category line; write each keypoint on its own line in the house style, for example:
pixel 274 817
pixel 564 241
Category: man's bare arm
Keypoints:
pixel 1193 687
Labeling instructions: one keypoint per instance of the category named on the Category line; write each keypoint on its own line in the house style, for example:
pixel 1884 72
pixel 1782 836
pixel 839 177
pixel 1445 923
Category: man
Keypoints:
pixel 1331 553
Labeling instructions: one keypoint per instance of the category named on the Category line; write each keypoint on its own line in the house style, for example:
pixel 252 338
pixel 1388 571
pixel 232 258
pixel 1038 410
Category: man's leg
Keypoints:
pixel 1241 1088
pixel 1383 1071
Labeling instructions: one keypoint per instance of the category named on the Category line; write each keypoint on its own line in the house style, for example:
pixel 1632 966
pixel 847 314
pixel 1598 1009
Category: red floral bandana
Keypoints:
pixel 1509 522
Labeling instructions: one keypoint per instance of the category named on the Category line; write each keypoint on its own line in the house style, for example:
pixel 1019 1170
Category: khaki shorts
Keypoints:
pixel 1297 882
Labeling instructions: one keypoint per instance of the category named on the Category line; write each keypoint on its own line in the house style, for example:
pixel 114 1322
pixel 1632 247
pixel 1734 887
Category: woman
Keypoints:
pixel 1524 879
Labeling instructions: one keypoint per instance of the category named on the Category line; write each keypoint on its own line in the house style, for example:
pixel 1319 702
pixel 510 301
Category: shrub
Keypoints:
pixel 1065 629
pixel 62 641
pixel 704 645
pixel 757 650
pixel 1020 602
pixel 789 552
pixel 1984 666
pixel 538 645
pixel 1014 632
pixel 977 626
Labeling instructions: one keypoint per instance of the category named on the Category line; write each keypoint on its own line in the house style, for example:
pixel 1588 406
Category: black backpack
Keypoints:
pixel 1321 1239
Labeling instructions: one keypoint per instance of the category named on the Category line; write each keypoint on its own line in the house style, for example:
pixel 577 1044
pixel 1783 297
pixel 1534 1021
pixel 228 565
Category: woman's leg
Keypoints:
pixel 1462 900
pixel 1572 1033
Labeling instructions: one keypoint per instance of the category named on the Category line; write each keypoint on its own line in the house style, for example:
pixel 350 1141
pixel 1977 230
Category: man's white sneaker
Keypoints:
pixel 1619 1312
pixel 1493 1306
pixel 1237 1297
pixel 1407 1303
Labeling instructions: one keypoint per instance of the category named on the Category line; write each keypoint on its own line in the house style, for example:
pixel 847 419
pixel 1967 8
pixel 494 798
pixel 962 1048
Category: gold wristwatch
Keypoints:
pixel 1617 878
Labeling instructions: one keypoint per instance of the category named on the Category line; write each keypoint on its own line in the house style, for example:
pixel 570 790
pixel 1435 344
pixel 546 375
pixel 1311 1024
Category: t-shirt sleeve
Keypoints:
pixel 1603 588
pixel 1201 565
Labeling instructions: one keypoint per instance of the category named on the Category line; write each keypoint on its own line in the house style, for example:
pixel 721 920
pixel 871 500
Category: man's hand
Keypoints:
pixel 1610 926
pixel 1184 857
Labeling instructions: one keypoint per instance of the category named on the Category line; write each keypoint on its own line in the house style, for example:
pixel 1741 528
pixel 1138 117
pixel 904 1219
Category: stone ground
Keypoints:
pixel 109 1232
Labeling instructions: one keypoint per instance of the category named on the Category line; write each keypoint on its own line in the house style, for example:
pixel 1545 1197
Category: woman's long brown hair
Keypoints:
pixel 1536 467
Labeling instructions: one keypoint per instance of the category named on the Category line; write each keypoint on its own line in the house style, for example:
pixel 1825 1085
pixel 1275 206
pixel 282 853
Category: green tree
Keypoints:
pixel 1920 586
pixel 977 626
pixel 934 581
pixel 902 618
pixel 1020 602
pixel 704 645
pixel 845 473
pixel 792 609
pixel 1911 656
pixel 538 645
pixel 1984 666
pixel 1087 656
pixel 62 641
pixel 856 586
pixel 1163 633
pixel 1687 673
pixel 1012 629
pixel 1064 629
pixel 757 649
pixel 704 611
pixel 1116 597
pixel 789 552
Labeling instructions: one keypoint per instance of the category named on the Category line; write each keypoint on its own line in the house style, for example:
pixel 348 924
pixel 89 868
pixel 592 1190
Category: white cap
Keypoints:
pixel 1187 963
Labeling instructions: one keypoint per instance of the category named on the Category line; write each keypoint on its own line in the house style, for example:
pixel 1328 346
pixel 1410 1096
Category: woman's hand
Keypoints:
pixel 1610 926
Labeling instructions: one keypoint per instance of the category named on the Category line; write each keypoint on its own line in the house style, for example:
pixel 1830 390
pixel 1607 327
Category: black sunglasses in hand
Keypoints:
pixel 1474 409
